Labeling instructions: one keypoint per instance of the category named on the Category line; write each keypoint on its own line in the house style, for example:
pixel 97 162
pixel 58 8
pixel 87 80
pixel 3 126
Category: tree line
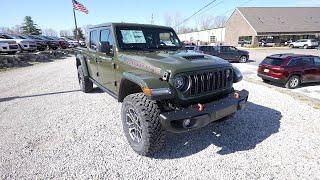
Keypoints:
pixel 29 27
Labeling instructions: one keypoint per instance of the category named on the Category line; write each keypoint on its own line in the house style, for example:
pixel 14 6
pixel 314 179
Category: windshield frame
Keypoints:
pixel 154 30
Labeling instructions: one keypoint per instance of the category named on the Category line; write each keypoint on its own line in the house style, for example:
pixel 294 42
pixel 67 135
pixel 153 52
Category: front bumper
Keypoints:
pixel 173 120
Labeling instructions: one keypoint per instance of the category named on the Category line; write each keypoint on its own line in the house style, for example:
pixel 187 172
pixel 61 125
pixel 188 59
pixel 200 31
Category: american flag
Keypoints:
pixel 80 7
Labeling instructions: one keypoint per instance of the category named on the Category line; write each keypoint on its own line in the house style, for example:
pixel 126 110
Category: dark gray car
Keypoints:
pixel 229 53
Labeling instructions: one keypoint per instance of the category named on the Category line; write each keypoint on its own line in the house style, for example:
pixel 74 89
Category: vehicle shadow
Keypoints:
pixel 244 131
pixel 35 95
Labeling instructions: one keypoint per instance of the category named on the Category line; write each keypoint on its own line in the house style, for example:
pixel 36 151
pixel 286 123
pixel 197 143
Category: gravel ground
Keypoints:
pixel 49 129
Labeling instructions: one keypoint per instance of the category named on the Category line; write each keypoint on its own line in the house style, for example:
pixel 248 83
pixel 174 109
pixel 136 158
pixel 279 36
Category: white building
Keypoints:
pixel 211 36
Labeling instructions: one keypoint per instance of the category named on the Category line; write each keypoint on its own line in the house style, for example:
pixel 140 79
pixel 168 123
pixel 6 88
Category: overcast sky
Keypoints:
pixel 57 14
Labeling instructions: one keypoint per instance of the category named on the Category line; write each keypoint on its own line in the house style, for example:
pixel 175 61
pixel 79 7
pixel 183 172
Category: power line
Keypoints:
pixel 187 19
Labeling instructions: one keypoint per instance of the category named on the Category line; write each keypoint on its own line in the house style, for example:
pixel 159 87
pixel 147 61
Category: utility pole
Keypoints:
pixel 75 24
pixel 152 19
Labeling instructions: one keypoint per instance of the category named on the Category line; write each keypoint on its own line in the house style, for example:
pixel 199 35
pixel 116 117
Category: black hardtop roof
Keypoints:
pixel 128 24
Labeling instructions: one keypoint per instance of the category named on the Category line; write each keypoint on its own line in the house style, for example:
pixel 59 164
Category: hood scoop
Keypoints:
pixel 194 57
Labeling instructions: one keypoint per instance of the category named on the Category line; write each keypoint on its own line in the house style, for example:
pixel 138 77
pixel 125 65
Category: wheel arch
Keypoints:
pixel 127 87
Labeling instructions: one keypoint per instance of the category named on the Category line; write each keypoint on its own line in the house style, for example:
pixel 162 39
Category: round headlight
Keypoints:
pixel 179 82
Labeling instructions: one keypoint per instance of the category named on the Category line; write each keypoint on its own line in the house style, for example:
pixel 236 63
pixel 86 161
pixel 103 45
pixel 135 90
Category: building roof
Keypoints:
pixel 282 19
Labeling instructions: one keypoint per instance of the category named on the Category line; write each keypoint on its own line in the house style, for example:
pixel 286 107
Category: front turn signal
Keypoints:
pixel 147 91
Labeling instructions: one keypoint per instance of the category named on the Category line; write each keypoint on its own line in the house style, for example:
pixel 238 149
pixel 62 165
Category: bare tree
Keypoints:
pixel 219 21
pixel 168 20
pixel 49 32
pixel 206 22
pixel 65 33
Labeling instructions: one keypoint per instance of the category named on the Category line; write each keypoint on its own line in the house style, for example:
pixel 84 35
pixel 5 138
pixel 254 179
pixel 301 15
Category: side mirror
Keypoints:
pixel 105 48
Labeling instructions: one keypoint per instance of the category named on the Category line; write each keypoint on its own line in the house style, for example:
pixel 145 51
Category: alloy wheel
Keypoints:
pixel 134 125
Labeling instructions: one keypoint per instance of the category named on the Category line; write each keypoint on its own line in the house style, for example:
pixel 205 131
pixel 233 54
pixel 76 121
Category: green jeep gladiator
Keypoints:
pixel 162 86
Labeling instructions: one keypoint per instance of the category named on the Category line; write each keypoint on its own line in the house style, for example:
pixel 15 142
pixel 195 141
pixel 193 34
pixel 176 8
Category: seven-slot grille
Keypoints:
pixel 209 81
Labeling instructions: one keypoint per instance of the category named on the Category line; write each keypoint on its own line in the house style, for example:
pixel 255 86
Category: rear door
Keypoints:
pixel 223 52
pixel 91 55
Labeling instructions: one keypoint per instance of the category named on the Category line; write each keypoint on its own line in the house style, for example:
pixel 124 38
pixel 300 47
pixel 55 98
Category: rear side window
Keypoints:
pixel 317 61
pixel 272 61
pixel 106 36
pixel 301 61
pixel 313 40
pixel 93 39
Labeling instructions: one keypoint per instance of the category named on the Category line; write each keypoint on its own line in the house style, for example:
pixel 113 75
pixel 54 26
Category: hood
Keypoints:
pixel 173 62
pixel 243 52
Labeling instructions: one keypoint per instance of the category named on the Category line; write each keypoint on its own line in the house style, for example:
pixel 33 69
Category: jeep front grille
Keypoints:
pixel 207 82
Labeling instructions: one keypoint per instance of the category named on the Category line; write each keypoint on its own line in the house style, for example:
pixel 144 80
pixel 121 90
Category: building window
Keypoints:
pixel 245 40
pixel 212 39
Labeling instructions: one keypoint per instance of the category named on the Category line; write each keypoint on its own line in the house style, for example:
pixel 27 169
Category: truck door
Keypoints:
pixel 224 52
pixel 91 55
pixel 106 66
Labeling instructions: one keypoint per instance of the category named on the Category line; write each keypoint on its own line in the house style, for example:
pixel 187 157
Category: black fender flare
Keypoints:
pixel 81 61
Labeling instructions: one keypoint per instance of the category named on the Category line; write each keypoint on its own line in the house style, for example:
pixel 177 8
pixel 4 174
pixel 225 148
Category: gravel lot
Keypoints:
pixel 49 129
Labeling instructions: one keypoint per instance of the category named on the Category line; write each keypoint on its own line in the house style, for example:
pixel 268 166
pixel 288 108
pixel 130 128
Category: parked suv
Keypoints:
pixel 290 69
pixel 41 44
pixel 8 46
pixel 305 43
pixel 229 53
pixel 24 44
pixel 161 86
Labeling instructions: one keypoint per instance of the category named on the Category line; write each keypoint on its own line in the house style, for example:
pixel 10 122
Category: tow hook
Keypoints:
pixel 201 107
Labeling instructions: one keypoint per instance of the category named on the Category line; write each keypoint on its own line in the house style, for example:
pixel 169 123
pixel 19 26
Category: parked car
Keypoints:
pixel 229 53
pixel 305 43
pixel 51 44
pixel 82 43
pixel 290 69
pixel 8 46
pixel 41 44
pixel 72 43
pixel 62 43
pixel 190 48
pixel 266 43
pixel 24 44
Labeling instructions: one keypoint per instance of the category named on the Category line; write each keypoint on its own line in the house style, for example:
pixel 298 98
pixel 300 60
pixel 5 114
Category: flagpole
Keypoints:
pixel 75 23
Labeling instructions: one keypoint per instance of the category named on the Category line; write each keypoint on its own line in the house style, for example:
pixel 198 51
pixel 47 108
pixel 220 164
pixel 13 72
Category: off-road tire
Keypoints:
pixel 293 82
pixel 85 84
pixel 147 112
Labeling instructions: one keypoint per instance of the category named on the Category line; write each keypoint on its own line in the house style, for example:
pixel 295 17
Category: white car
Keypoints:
pixel 305 43
pixel 24 44
pixel 72 42
pixel 8 46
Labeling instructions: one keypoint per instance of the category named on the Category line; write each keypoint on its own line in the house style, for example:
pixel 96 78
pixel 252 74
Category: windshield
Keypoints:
pixel 147 38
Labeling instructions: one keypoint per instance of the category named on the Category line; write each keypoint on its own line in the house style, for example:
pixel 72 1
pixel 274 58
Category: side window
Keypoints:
pixel 306 61
pixel 317 61
pixel 93 39
pixel 106 36
pixel 294 62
